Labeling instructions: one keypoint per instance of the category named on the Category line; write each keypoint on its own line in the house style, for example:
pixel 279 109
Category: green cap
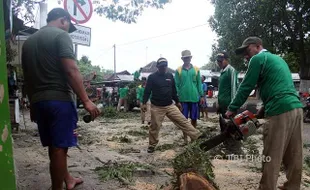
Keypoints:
pixel 247 42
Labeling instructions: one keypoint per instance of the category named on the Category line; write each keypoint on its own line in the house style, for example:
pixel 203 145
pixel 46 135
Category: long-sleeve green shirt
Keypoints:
pixel 228 83
pixel 123 92
pixel 140 93
pixel 274 81
pixel 188 85
pixel 136 75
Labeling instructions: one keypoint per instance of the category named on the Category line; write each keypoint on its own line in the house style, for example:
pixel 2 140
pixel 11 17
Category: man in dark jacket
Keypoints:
pixel 162 86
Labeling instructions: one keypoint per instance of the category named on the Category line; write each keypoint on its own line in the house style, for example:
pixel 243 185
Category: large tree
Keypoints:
pixel 123 10
pixel 284 26
pixel 87 69
pixel 126 11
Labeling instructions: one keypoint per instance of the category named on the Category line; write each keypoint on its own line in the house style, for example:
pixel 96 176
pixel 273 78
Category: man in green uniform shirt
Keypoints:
pixel 123 97
pixel 189 88
pixel 228 82
pixel 145 116
pixel 282 135
pixel 137 74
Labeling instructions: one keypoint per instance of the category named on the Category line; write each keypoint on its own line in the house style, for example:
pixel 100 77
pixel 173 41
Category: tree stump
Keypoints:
pixel 193 181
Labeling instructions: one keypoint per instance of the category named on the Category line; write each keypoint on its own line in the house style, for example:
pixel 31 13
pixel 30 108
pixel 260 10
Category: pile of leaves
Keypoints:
pixel 193 159
pixel 120 171
pixel 251 146
pixel 307 163
pixel 121 139
pixel 132 94
pixel 109 112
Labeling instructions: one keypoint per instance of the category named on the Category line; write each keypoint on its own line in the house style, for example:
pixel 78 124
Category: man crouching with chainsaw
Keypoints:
pixel 282 135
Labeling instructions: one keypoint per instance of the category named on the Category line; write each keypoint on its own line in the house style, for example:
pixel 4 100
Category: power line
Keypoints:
pixel 106 50
pixel 163 35
pixel 149 39
pixel 127 43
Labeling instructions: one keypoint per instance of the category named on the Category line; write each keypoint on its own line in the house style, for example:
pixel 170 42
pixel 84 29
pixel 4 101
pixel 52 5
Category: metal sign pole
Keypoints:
pixel 76 57
pixel 114 61
pixel 85 8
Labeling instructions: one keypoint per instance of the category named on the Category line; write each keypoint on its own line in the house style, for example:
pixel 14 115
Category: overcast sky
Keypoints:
pixel 178 15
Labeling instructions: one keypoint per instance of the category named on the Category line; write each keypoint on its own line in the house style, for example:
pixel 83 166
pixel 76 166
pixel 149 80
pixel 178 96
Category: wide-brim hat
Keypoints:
pixel 186 53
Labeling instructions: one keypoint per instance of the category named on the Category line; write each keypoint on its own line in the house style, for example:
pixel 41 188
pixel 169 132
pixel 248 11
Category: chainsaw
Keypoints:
pixel 239 128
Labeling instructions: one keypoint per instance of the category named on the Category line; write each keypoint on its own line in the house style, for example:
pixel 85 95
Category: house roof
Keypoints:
pixel 125 77
pixel 151 68
pixel 125 72
pixel 111 76
pixel 119 77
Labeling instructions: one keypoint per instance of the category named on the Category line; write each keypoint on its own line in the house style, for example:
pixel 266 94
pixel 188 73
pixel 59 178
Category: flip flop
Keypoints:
pixel 78 181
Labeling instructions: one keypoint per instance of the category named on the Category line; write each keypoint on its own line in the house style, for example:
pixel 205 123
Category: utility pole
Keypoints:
pixel 76 57
pixel 43 13
pixel 114 61
pixel 146 55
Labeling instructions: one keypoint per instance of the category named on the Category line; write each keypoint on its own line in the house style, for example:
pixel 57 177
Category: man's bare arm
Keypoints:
pixel 75 78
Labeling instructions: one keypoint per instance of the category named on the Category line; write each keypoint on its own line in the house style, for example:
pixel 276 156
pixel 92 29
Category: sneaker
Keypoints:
pixel 150 149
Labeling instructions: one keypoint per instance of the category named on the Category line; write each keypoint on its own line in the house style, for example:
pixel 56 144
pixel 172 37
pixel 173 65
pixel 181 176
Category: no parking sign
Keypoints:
pixel 79 10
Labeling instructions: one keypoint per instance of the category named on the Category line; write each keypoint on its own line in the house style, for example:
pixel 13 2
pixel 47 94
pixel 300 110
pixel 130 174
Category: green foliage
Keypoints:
pixel 124 11
pixel 307 161
pixel 307 165
pixel 110 112
pixel 27 15
pixel 211 66
pixel 86 68
pixel 138 133
pixel 128 11
pixel 293 62
pixel 193 159
pixel 251 146
pixel 119 171
pixel 121 139
pixel 10 53
pixel 165 147
pixel 286 32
